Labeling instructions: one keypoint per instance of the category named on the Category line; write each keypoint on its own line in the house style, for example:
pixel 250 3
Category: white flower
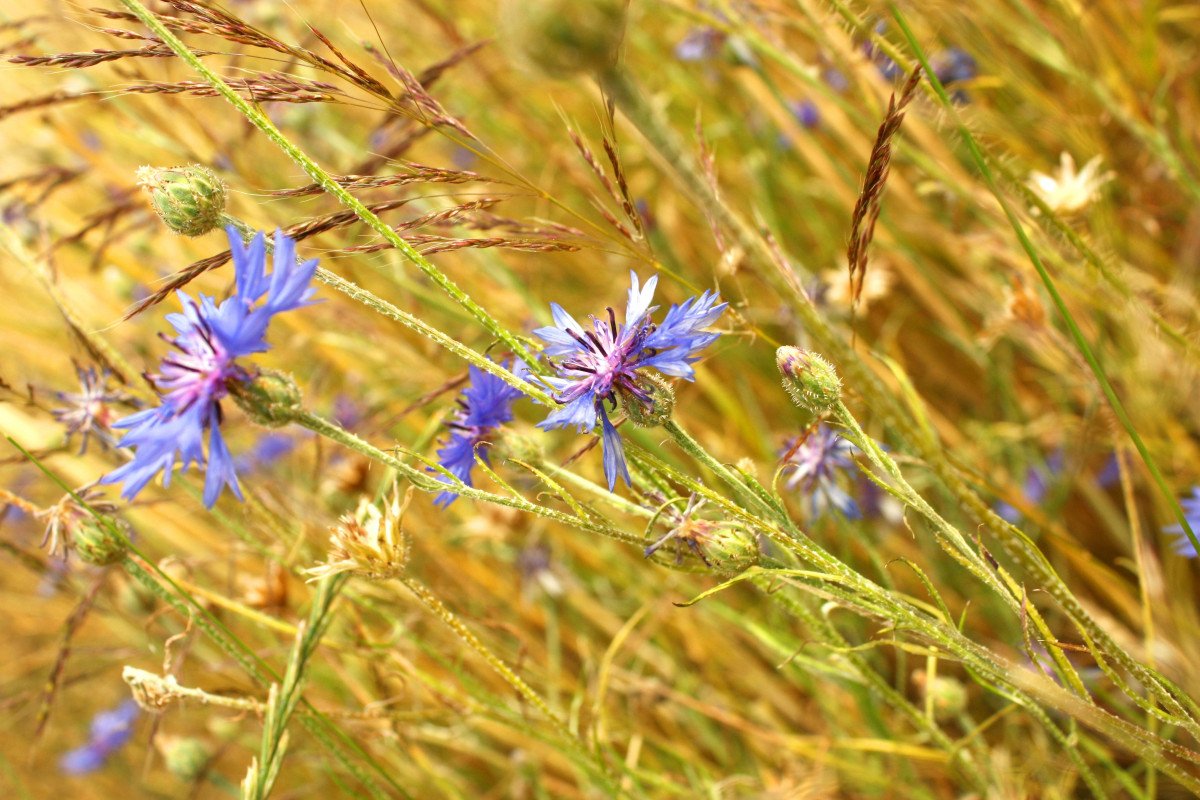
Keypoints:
pixel 1070 191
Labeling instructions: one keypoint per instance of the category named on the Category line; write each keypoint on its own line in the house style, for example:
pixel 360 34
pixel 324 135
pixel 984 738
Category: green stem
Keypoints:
pixel 324 180
pixel 284 697
pixel 386 309
pixel 436 607
pixel 426 481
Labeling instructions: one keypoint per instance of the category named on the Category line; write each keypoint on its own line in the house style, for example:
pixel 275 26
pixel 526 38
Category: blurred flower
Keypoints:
pixel 484 405
pixel 269 448
pixel 1069 191
pixel 806 113
pixel 210 338
pixel 369 542
pixel 537 571
pixel 90 411
pixel 595 365
pixel 1182 545
pixel 1037 483
pixel 955 66
pixel 888 68
pixel 700 44
pixel 835 287
pixel 110 731
pixel 815 462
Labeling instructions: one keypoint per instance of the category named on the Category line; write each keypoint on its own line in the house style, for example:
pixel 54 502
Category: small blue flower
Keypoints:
pixel 484 405
pixel 806 113
pixel 596 365
pixel 815 462
pixel 1191 510
pixel 90 411
pixel 110 731
pixel 210 338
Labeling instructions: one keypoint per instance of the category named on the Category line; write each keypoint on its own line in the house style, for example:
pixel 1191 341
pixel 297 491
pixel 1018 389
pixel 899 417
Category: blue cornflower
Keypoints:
pixel 110 731
pixel 596 365
pixel 1191 510
pixel 955 66
pixel 484 405
pixel 815 461
pixel 210 339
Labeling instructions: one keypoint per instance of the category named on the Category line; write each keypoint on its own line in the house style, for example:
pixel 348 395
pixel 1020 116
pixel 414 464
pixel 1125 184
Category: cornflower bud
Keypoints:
pixel 190 200
pixel 98 543
pixel 184 756
pixel 811 381
pixel 655 407
pixel 272 399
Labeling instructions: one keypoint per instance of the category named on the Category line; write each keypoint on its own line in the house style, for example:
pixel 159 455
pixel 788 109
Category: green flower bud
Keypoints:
pixel 272 399
pixel 949 697
pixel 191 200
pixel 519 445
pixel 561 38
pixel 185 756
pixel 657 410
pixel 731 548
pixel 98 543
pixel 811 381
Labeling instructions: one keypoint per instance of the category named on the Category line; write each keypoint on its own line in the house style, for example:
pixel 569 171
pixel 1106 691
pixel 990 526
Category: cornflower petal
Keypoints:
pixel 614 453
pixel 484 405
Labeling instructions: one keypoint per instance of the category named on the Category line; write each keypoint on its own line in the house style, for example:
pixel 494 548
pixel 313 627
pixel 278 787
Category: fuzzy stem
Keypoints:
pixel 426 482
pixel 386 309
pixel 436 607
pixel 324 180
pixel 283 697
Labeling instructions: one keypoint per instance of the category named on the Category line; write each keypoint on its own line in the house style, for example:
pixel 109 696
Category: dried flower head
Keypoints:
pixel 90 411
pixel 722 545
pixel 1069 191
pixel 65 518
pixel 370 542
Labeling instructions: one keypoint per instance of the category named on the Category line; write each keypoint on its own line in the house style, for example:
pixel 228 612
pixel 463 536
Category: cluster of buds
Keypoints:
pixel 370 542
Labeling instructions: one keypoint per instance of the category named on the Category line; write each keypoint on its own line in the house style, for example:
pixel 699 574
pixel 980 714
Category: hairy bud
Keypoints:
pixel 811 381
pixel 655 410
pixel 98 543
pixel 272 399
pixel 190 200
pixel 370 543
pixel 184 756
